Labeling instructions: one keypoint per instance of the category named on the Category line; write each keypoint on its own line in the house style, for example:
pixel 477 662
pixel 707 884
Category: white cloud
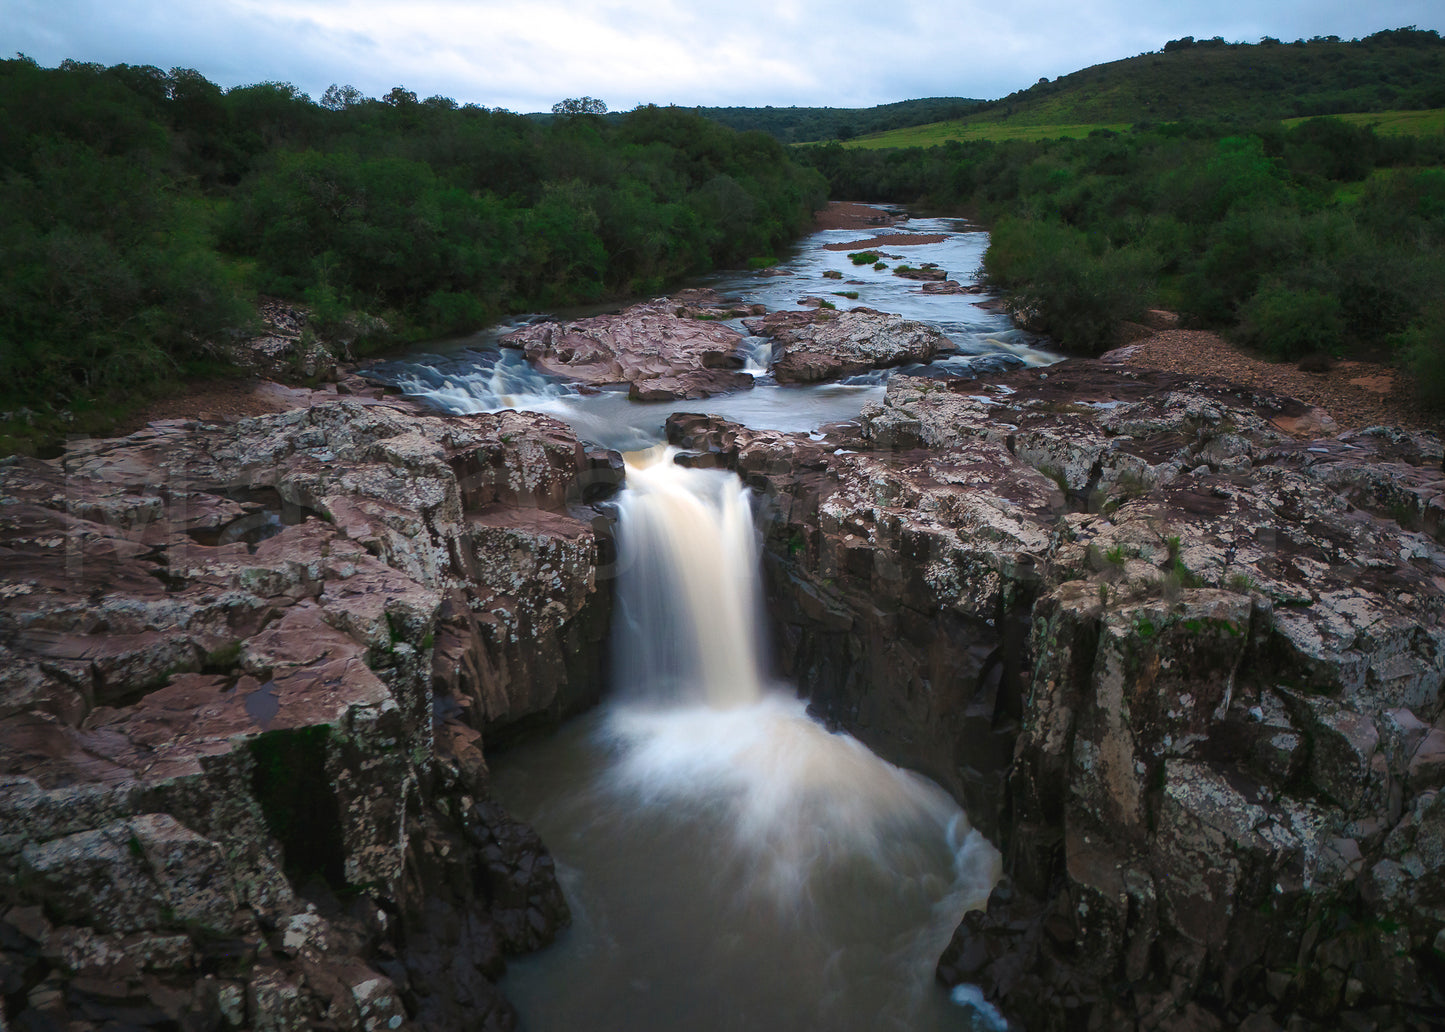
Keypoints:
pixel 746 52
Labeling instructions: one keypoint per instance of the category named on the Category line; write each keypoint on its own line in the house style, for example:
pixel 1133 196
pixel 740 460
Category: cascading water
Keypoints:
pixel 731 863
pixel 687 606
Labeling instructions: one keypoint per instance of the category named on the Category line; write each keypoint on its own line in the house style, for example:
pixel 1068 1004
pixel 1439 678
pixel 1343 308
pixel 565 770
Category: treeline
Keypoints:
pixel 807 124
pixel 1323 238
pixel 142 211
pixel 1397 69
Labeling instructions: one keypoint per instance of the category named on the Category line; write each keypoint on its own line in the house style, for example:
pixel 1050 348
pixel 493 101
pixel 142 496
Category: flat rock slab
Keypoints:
pixel 823 344
pixel 668 348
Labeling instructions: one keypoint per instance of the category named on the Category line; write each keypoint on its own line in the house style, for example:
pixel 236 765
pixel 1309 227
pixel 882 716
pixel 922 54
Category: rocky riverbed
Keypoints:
pixel 1177 654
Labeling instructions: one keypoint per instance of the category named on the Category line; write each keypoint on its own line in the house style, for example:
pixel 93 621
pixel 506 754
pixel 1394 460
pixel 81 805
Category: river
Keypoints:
pixel 473 374
pixel 730 863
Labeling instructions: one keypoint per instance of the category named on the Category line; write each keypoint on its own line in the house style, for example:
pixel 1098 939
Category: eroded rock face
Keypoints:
pixel 823 344
pixel 667 348
pixel 247 669
pixel 1185 666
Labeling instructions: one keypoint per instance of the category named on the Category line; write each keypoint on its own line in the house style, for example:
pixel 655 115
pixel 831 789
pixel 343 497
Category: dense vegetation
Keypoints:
pixel 142 211
pixel 1322 237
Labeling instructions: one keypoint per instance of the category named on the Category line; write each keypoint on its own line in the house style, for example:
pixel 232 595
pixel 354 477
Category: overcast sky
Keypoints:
pixel 526 54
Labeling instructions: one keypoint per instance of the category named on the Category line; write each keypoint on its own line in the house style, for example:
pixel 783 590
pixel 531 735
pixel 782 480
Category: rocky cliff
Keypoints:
pixel 246 671
pixel 1185 664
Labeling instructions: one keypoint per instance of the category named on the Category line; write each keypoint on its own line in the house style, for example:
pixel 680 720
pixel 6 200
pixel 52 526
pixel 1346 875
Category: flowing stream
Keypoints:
pixel 474 374
pixel 730 863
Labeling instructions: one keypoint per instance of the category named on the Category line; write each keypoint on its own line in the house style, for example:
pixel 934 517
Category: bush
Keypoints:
pixel 1421 351
pixel 450 312
pixel 1075 289
pixel 1288 323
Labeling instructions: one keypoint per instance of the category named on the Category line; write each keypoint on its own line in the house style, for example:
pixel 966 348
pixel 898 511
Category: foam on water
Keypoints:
pixel 971 996
pixel 801 802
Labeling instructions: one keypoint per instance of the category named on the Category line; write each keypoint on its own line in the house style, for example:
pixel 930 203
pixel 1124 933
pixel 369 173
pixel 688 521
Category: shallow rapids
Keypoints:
pixel 474 374
pixel 731 864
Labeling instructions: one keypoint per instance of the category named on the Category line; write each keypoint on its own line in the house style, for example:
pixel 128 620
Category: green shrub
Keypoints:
pixel 447 311
pixel 863 257
pixel 1073 287
pixel 1288 323
pixel 1421 350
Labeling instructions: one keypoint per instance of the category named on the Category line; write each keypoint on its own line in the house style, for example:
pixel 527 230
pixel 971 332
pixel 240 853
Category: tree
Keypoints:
pixel 336 98
pixel 579 106
pixel 400 96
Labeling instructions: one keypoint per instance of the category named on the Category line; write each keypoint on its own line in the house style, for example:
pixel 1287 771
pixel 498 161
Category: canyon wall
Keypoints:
pixel 1182 661
pixel 246 674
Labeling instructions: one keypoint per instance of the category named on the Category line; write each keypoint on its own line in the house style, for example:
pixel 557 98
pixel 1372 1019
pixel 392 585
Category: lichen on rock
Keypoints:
pixel 246 670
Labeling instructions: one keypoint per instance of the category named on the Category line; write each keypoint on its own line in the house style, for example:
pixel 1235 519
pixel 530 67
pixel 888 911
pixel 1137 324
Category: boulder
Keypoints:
pixel 825 345
pixel 667 348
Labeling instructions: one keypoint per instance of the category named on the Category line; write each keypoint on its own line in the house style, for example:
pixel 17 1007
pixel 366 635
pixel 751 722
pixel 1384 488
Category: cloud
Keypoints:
pixel 848 53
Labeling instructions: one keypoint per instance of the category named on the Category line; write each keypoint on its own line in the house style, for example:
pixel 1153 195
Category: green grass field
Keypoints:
pixel 941 132
pixel 1394 123
pixel 1387 123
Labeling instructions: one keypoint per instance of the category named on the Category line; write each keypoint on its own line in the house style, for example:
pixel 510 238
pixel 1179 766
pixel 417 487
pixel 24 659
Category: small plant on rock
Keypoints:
pixel 1242 583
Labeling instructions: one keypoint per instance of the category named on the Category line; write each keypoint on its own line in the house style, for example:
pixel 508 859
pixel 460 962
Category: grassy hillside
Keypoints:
pixel 1400 69
pixel 1392 123
pixel 941 132
pixel 1394 73
pixel 1385 123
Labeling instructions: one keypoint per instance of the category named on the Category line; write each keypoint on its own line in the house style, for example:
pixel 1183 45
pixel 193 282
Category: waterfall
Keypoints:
pixel 688 628
pixel 695 722
pixel 730 862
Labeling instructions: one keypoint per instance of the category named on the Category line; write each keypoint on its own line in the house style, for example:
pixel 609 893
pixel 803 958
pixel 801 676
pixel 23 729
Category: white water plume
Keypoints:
pixel 688 556
pixel 804 808
pixel 695 728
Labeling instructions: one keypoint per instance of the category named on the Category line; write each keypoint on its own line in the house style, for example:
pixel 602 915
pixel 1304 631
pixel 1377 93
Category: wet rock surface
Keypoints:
pixel 677 347
pixel 1184 665
pixel 668 348
pixel 246 673
pixel 823 344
